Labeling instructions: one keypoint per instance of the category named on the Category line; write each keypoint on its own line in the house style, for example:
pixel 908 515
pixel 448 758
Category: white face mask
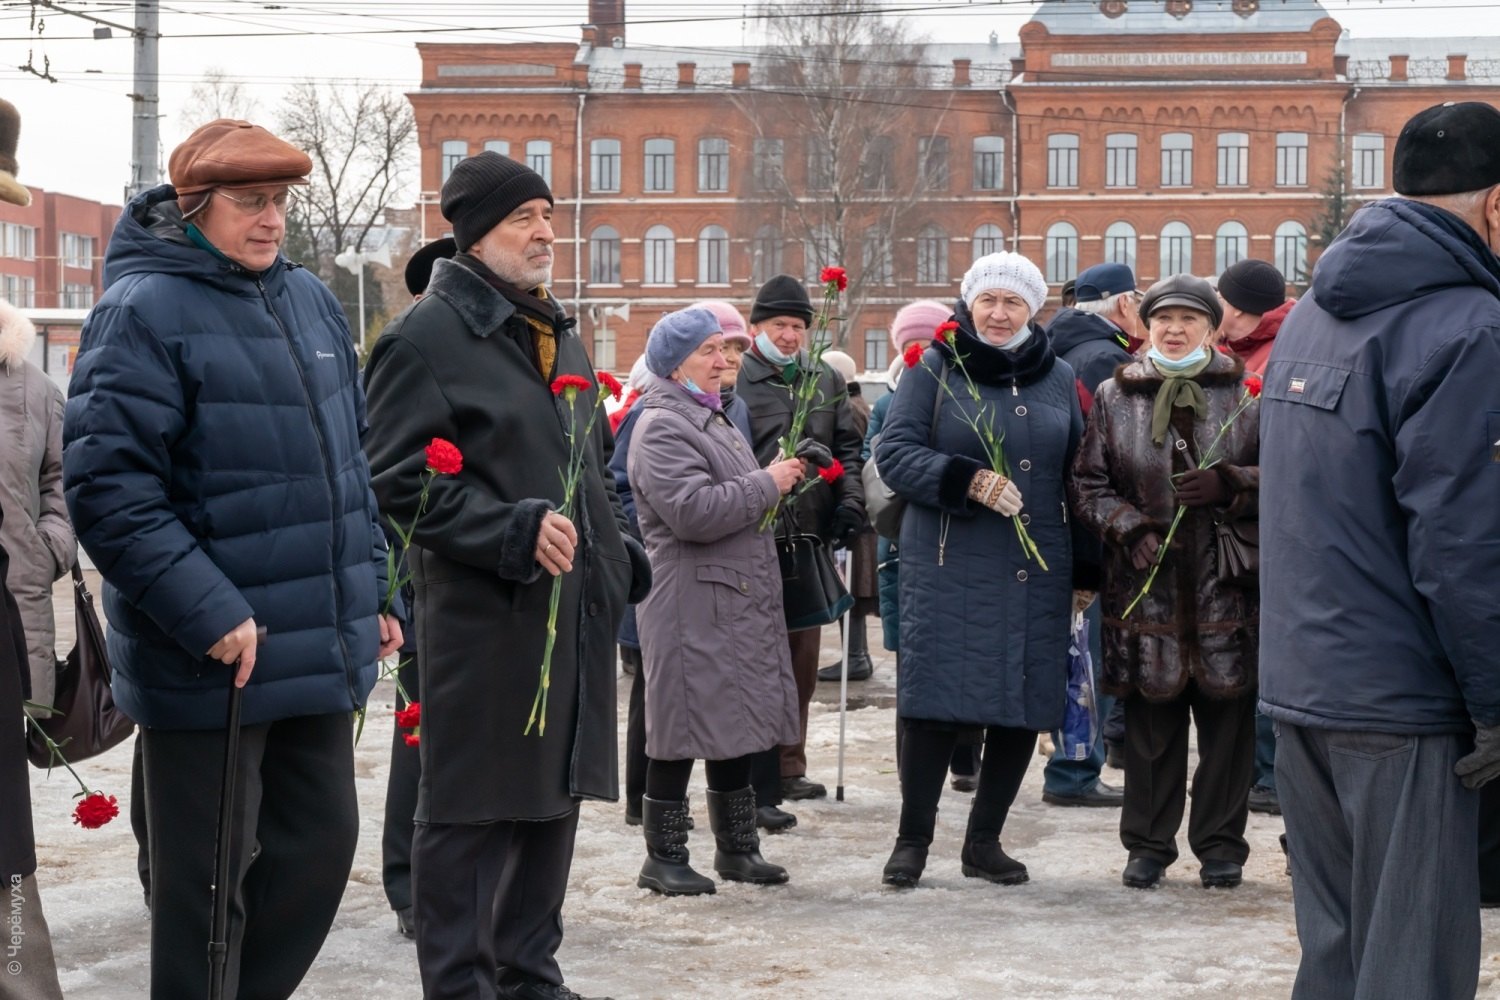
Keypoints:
pixel 1183 363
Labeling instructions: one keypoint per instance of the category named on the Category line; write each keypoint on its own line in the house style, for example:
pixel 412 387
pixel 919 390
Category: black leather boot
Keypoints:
pixel 666 869
pixel 904 869
pixel 860 664
pixel 984 859
pixel 737 858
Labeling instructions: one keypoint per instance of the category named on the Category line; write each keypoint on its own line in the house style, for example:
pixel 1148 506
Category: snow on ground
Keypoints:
pixel 833 932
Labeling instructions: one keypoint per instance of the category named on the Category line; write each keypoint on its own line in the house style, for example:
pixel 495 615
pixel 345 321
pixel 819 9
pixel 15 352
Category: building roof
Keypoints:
pixel 1370 58
pixel 1072 17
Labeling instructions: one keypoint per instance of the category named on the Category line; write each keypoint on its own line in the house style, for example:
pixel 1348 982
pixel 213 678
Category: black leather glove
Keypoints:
pixel 1202 488
pixel 847 524
pixel 1483 765
pixel 815 452
pixel 1143 552
pixel 640 570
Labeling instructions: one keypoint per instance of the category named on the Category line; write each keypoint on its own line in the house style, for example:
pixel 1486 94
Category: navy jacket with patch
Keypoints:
pixel 1091 345
pixel 1380 486
pixel 214 472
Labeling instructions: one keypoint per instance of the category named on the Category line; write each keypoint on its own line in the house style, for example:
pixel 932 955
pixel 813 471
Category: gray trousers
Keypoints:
pixel 1382 838
pixel 29 971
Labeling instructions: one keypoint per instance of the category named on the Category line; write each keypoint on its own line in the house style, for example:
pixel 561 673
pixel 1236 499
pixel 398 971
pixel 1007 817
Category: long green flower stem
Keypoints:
pixel 52 748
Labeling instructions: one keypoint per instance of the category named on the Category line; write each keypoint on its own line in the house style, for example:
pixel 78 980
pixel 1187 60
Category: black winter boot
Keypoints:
pixel 904 869
pixel 666 869
pixel 737 859
pixel 860 664
pixel 984 859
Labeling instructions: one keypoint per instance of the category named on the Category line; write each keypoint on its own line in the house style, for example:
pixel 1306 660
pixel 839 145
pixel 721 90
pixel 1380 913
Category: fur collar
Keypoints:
pixel 17 336
pixel 1142 377
pixel 479 304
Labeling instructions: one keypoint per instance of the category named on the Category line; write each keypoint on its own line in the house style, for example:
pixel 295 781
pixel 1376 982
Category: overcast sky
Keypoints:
pixel 75 134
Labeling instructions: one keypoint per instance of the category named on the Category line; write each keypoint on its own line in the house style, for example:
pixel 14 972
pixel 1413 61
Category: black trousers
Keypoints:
pixel 927 750
pixel 1489 843
pixel 635 735
pixel 667 780
pixel 295 830
pixel 400 802
pixel 489 901
pixel 1156 759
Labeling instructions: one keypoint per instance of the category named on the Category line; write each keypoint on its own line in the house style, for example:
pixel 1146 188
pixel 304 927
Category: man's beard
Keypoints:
pixel 515 269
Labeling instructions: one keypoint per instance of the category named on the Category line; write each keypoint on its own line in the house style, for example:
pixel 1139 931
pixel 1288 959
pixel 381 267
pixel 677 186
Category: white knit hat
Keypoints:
pixel 1009 271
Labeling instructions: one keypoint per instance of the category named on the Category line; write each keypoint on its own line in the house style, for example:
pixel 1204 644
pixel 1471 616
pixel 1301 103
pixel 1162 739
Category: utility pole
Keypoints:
pixel 145 137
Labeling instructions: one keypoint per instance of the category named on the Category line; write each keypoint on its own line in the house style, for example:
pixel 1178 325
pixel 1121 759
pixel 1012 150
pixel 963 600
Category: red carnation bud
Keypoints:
pixel 913 354
pixel 833 473
pixel 94 810
pixel 412 739
pixel 410 717
pixel 611 384
pixel 946 331
pixel 563 383
pixel 1253 385
pixel 444 458
pixel 834 275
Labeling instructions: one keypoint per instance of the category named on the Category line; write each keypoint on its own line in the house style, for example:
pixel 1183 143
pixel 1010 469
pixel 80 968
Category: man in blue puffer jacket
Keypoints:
pixel 1380 549
pixel 214 472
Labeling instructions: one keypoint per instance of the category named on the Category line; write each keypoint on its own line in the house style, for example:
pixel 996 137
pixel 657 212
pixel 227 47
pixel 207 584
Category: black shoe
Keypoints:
pixel 964 782
pixel 1114 756
pixel 632 814
pixel 406 924
pixel 984 859
pixel 1265 800
pixel 774 820
pixel 737 859
pixel 528 988
pixel 799 788
pixel 1098 795
pixel 1143 873
pixel 666 869
pixel 904 869
pixel 1220 874
pixel 861 667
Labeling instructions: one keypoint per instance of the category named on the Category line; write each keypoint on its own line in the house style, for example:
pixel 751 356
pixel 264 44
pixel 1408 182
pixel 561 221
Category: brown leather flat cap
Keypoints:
pixel 234 154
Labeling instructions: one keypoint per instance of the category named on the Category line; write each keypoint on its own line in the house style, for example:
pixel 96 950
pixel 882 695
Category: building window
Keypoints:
pixel 932 256
pixel 989 162
pixel 454 151
pixel 1062 253
pixel 1119 244
pixel 877 350
pixel 819 164
pixel 988 239
pixel 1062 160
pixel 879 269
pixel 766 164
pixel 661 256
pixel 1177 160
pixel 1231 245
pixel 1176 249
pixel 1291 159
pixel 713 256
pixel 877 169
pixel 19 292
pixel 17 242
pixel 932 160
pixel 1119 159
pixel 604 165
pixel 497 146
pixel 713 164
pixel 604 256
pixel 817 253
pixel 1291 251
pixel 77 251
pixel 661 165
pixel 1234 159
pixel 539 158
pixel 765 255
pixel 604 345
pixel 77 296
pixel 1368 167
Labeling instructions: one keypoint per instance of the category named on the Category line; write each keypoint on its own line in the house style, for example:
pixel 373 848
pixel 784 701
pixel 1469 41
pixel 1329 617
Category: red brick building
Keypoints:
pixel 1174 136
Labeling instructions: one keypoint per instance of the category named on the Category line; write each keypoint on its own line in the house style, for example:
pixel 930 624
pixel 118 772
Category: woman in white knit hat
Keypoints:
pixel 984 627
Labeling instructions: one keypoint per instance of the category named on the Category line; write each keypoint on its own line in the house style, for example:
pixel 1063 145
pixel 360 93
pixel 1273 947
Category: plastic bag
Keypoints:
pixel 1080 727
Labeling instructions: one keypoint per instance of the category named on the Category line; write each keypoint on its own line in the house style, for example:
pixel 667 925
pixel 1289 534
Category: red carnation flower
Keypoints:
pixel 833 473
pixel 1253 385
pixel 94 810
pixel 946 331
pixel 610 383
pixel 444 458
pixel 834 275
pixel 410 717
pixel 412 739
pixel 563 383
pixel 912 355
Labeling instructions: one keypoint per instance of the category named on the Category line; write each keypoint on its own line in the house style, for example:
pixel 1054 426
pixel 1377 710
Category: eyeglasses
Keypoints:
pixel 283 202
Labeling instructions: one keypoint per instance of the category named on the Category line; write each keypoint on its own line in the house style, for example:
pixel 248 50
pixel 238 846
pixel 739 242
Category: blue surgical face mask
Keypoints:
pixel 769 351
pixel 1016 342
pixel 691 386
pixel 1182 364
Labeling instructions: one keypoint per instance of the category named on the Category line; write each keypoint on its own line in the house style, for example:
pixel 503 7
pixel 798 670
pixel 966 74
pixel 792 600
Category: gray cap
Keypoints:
pixel 1182 290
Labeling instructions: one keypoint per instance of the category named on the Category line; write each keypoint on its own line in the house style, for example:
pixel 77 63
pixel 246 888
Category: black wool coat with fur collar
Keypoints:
pixel 1190 624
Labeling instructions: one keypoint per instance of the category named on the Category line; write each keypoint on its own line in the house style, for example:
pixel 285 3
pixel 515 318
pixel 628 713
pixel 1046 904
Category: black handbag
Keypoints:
pixel 85 721
pixel 1238 544
pixel 811 592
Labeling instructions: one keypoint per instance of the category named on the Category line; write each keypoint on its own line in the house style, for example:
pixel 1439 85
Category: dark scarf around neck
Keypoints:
pixel 988 364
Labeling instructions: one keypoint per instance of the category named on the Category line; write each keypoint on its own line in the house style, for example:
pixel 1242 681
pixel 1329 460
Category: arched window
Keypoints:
pixel 1177 160
pixel 1234 159
pixel 1119 244
pixel 1062 160
pixel 604 165
pixel 661 256
pixel 1231 245
pixel 932 256
pixel 765 255
pixel 713 256
pixel 713 164
pixel 1062 253
pixel 497 146
pixel 1176 249
pixel 1119 159
pixel 1291 251
pixel 661 165
pixel 454 150
pixel 539 158
pixel 988 239
pixel 989 162
pixel 604 256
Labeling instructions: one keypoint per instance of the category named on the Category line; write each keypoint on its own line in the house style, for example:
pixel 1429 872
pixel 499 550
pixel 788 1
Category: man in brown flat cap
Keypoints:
pixel 214 470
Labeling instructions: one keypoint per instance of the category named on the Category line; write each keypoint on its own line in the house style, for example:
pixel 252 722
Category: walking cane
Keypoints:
pixel 848 624
pixel 218 940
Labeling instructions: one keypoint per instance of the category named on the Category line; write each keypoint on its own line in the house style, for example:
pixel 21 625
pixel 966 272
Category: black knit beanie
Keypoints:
pixel 482 190
pixel 1252 286
pixel 783 295
pixel 419 268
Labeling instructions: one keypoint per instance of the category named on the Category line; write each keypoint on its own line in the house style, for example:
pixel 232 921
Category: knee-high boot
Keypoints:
pixel 737 857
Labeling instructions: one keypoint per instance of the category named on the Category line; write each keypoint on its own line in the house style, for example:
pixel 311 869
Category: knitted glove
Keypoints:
pixel 996 492
pixel 1483 765
pixel 847 524
pixel 815 452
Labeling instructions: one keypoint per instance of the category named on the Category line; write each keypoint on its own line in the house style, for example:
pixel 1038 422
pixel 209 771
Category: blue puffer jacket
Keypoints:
pixel 1380 476
pixel 214 473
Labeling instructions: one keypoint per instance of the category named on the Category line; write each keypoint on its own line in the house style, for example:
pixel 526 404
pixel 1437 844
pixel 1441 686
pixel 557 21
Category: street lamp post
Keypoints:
pixel 354 262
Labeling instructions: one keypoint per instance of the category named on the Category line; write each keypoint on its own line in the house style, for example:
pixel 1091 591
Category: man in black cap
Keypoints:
pixel 474 362
pixel 775 364
pixel 1253 294
pixel 1380 559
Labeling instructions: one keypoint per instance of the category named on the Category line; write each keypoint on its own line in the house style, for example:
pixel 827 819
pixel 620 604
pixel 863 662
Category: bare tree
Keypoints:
pixel 831 119
pixel 217 96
